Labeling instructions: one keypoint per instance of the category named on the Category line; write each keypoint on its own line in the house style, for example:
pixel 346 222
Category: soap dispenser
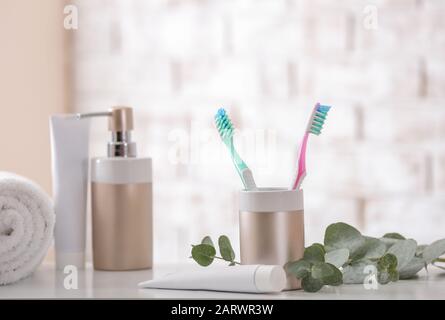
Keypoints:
pixel 121 199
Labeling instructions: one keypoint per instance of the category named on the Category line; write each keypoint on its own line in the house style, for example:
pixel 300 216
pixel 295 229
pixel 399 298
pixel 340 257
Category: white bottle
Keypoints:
pixel 121 199
pixel 70 156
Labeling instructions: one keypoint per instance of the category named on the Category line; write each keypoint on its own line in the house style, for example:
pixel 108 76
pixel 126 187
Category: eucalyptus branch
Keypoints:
pixel 221 258
pixel 344 257
pixel 205 253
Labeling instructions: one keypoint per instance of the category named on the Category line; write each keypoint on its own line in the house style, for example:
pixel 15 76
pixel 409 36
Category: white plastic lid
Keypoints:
pixel 64 259
pixel 121 170
pixel 271 200
pixel 270 278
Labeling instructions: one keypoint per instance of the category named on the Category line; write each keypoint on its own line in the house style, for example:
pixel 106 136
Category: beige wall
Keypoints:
pixel 32 84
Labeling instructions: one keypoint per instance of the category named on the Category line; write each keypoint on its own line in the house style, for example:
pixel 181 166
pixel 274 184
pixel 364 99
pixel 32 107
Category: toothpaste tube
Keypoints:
pixel 242 278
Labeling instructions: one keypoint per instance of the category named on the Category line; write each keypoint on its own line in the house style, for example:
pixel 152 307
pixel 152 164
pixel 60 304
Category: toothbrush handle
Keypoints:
pixel 243 170
pixel 301 170
pixel 239 163
pixel 247 177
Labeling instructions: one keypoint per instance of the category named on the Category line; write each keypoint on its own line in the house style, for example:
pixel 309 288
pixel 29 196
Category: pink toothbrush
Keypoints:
pixel 314 126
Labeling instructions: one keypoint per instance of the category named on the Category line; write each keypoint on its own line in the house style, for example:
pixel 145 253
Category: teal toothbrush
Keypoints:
pixel 226 131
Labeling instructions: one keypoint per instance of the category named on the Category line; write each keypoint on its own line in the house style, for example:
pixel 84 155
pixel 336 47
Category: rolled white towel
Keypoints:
pixel 26 227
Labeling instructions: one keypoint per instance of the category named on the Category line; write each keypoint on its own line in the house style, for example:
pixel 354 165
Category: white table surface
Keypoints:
pixel 47 283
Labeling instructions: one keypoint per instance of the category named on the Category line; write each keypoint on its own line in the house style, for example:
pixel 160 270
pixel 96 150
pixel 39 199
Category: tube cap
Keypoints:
pixel 270 278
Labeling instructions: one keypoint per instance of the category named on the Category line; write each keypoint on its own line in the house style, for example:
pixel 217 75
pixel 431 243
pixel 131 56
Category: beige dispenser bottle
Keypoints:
pixel 121 186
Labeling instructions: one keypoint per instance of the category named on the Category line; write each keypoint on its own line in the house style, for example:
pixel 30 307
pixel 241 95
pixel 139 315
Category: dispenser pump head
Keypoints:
pixel 121 119
pixel 120 123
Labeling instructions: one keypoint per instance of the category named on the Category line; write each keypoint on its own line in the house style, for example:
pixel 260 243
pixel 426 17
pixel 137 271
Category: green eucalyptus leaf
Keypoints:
pixel 203 254
pixel 387 262
pixel 387 269
pixel 434 251
pixel 335 279
pixel 394 275
pixel 391 239
pixel 207 240
pixel 375 248
pixel 320 246
pixel 394 235
pixel 387 276
pixel 383 277
pixel 404 251
pixel 327 273
pixel 225 248
pixel 311 284
pixel 337 257
pixel 419 250
pixel 412 268
pixel 371 248
pixel 231 264
pixel 299 269
pixel 318 269
pixel 342 236
pixel 389 242
pixel 355 273
pixel 314 254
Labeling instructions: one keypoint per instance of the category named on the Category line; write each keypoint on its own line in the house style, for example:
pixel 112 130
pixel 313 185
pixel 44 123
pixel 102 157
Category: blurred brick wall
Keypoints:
pixel 380 162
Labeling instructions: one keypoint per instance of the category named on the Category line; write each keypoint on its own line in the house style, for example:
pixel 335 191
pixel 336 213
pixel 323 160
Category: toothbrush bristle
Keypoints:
pixel 319 118
pixel 223 124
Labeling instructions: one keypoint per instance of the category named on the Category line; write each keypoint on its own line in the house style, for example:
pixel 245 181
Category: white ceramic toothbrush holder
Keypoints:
pixel 272 227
